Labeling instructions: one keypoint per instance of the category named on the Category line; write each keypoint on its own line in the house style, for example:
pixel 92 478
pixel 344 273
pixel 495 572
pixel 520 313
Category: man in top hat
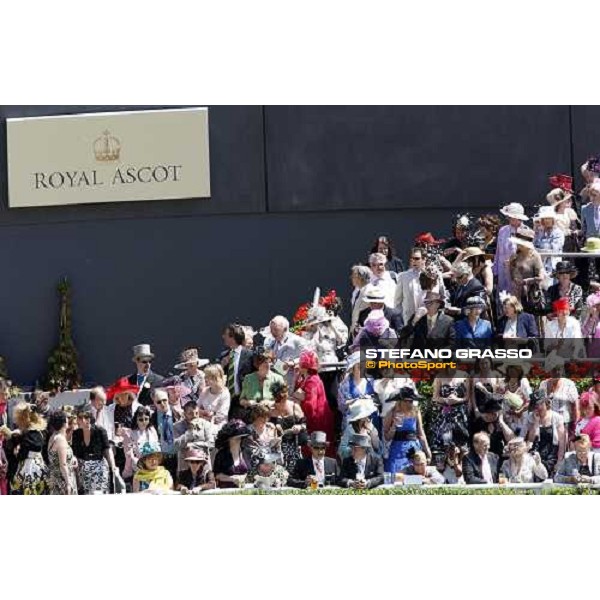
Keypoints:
pixel 375 298
pixel 363 469
pixel 193 378
pixel 431 327
pixel 316 468
pixel 491 421
pixel 144 377
pixel 237 362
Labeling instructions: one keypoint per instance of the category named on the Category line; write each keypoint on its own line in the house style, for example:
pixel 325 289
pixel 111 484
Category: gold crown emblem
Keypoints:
pixel 107 147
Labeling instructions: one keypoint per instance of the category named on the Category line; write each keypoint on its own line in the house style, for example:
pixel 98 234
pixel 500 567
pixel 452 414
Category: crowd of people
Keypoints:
pixel 293 405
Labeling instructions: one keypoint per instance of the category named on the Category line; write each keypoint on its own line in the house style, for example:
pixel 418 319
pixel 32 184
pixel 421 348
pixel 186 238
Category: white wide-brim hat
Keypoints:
pixel 514 210
pixel 201 362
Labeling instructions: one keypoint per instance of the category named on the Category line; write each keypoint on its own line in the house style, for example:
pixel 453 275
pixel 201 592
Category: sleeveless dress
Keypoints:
pixel 450 423
pixel 56 481
pixel 405 440
pixel 290 443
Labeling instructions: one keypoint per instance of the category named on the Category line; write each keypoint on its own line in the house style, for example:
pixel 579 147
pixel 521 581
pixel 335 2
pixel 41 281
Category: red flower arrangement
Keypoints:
pixel 301 313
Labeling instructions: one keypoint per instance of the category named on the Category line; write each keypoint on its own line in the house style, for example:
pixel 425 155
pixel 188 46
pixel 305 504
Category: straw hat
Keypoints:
pixel 514 210
pixel 545 212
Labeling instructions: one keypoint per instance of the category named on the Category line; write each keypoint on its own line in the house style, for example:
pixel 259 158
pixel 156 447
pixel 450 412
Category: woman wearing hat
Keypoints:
pixel 549 236
pixel 484 380
pixel 449 422
pixel 472 327
pixel 560 198
pixel 353 386
pixel 546 432
pixel 522 467
pixel 151 476
pixel 403 428
pixel 310 392
pixel 527 272
pixel 480 266
pixel 198 476
pixel 230 467
pixel 563 333
pixel 93 452
pixel 515 214
pixel 564 272
pixel 289 419
pixel 360 421
pixel 270 474
pixel 589 423
pixel 31 477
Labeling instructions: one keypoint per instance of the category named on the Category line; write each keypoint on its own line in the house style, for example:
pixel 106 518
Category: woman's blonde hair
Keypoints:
pixel 214 372
pixel 26 417
pixel 514 302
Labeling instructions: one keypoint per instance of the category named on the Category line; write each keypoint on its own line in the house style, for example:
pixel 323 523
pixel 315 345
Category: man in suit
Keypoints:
pixel 363 470
pixel 237 362
pixel 285 346
pixel 590 213
pixel 468 287
pixel 581 466
pixel 189 431
pixel 375 298
pixel 144 377
pixel 318 467
pixel 163 420
pixel 431 327
pixel 408 289
pixel 479 465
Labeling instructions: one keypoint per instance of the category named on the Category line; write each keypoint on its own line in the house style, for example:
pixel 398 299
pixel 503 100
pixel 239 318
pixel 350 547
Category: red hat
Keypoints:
pixel 309 360
pixel 564 182
pixel 561 304
pixel 426 238
pixel 121 386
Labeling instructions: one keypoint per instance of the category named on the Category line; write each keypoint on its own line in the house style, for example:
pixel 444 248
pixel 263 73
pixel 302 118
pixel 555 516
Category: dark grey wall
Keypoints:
pixel 298 194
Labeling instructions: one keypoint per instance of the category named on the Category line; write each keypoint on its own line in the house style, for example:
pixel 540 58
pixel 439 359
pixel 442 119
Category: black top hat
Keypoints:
pixel 492 405
pixel 564 266
pixel 405 393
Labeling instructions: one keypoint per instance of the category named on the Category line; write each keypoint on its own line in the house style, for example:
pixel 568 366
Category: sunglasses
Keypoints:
pixel 143 418
pixel 161 401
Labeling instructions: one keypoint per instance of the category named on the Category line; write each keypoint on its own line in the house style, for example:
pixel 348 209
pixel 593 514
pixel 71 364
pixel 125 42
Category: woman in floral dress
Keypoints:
pixel 61 462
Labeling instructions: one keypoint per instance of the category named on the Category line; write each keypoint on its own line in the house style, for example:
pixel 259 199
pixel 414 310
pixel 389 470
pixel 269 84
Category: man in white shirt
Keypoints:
pixel 479 465
pixel 101 413
pixel 409 294
pixel 285 346
pixel 382 278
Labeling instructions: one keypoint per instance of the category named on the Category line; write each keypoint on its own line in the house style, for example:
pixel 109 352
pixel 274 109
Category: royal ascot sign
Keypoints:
pixel 108 157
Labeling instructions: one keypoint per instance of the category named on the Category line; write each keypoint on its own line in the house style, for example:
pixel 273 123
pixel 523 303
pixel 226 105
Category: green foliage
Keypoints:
pixel 63 370
pixel 425 491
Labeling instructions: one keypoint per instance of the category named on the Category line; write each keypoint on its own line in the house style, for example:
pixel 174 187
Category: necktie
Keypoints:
pixel 231 373
pixel 168 429
pixel 429 324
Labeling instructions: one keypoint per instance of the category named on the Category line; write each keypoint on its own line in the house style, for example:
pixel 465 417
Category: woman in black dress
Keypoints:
pixel 291 424
pixel 93 453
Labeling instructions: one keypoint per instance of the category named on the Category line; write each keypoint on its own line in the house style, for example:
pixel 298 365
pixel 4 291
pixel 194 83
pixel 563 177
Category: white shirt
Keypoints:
pixel 319 469
pixel 408 293
pixel 486 471
pixel 237 352
pixel 387 285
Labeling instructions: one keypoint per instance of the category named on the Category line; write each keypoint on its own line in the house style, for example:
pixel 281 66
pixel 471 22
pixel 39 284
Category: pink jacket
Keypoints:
pixel 593 430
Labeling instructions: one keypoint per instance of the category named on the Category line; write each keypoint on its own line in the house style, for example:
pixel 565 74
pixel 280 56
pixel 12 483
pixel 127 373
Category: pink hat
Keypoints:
pixel 593 299
pixel 376 323
pixel 309 360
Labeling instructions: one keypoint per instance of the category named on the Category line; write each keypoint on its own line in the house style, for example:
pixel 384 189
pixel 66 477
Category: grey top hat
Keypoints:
pixel 318 438
pixel 142 351
pixel 360 440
